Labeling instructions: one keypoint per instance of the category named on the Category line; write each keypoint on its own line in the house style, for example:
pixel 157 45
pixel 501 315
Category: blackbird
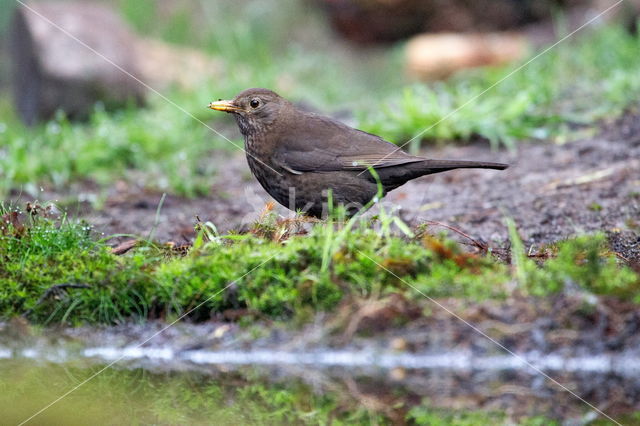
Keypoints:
pixel 298 156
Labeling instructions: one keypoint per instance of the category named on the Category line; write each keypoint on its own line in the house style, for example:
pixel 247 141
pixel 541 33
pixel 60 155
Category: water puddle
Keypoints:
pixel 183 378
pixel 624 365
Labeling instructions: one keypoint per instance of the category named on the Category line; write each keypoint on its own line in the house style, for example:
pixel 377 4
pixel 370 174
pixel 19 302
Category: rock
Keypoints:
pixel 437 55
pixel 55 65
pixel 70 55
pixel 374 21
pixel 433 56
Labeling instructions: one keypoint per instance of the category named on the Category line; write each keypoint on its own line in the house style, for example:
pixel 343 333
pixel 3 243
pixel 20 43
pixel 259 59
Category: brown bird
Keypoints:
pixel 297 156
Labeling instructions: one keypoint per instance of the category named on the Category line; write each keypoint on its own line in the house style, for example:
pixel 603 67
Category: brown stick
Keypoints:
pixel 475 242
pixel 50 291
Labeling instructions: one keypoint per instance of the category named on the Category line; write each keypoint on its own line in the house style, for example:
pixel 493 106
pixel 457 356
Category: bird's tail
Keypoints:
pixel 393 177
pixel 444 165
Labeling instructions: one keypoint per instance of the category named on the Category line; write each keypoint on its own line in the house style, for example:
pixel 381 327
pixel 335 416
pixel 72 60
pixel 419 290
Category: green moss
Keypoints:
pixel 584 262
pixel 421 415
pixel 56 271
pixel 595 207
pixel 587 262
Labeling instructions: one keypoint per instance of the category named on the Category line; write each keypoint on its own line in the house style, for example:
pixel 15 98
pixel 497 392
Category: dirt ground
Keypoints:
pixel 551 191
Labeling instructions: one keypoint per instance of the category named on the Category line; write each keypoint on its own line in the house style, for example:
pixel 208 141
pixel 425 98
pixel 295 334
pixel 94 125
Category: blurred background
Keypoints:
pixel 393 67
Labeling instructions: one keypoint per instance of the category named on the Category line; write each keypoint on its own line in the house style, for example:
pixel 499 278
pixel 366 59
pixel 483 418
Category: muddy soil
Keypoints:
pixel 551 191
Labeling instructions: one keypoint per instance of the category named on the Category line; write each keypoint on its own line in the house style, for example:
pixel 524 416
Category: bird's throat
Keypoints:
pixel 243 124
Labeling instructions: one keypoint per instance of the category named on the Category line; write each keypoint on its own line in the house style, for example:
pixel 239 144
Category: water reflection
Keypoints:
pixel 158 389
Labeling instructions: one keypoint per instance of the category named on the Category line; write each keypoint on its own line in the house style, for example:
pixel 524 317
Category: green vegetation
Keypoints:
pixel 159 142
pixel 55 271
pixel 584 260
pixel 572 86
pixel 421 415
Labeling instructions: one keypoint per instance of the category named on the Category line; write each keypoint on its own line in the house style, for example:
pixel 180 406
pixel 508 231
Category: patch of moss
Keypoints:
pixel 595 207
pixel 584 262
pixel 56 271
pixel 422 415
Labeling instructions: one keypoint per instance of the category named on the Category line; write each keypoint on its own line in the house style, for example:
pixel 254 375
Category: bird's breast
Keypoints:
pixel 257 147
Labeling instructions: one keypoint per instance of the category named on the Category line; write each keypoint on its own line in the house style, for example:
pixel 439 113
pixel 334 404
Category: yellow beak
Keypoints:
pixel 226 106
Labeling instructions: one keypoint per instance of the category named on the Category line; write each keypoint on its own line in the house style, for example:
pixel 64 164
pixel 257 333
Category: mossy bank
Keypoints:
pixel 57 271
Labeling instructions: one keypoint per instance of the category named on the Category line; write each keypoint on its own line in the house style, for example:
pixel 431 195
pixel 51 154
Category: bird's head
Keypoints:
pixel 253 109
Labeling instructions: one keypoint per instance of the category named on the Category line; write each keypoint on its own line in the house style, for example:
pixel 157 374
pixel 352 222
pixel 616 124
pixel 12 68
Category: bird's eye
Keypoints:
pixel 255 103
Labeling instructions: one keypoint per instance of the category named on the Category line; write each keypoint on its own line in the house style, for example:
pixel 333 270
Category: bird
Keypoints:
pixel 303 159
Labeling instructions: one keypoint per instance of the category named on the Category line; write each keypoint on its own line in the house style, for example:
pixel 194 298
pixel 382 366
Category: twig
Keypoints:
pixel 477 243
pixel 124 247
pixel 50 291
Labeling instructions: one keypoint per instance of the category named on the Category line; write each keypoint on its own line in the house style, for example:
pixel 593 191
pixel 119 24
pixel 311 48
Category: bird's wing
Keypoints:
pixel 322 144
